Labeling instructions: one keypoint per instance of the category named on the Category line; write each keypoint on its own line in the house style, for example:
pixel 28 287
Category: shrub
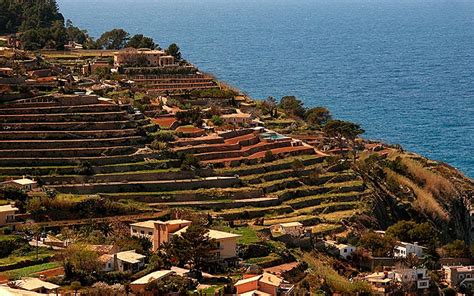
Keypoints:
pixel 269 157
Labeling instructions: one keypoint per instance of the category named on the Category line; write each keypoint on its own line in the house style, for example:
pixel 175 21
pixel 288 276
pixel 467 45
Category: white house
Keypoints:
pixel 36 285
pixel 410 275
pixel 292 228
pixel 343 250
pixel 23 183
pixel 402 250
pixel 123 261
pixel 7 214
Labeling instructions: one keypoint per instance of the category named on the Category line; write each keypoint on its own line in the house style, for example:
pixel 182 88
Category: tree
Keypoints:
pixel 140 41
pixel 410 231
pixel 317 116
pixel 192 116
pixel 75 34
pixel 79 260
pixel 379 245
pixel 171 284
pixel 75 286
pixel 192 246
pixel 343 131
pixel 115 39
pixel 292 106
pixel 269 106
pixel 173 50
pixel 456 249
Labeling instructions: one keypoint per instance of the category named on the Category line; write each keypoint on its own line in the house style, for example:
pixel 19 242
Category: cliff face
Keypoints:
pixel 407 186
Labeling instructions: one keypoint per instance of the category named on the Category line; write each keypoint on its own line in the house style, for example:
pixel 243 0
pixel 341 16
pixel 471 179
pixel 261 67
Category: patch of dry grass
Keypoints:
pixel 433 182
pixel 425 201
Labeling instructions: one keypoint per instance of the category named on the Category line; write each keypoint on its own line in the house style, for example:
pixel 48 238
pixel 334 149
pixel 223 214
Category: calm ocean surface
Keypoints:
pixel 402 69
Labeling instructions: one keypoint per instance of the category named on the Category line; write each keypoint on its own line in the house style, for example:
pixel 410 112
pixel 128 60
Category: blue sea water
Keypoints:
pixel 403 69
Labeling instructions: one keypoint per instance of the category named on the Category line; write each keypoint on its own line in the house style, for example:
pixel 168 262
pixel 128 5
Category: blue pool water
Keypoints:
pixel 403 69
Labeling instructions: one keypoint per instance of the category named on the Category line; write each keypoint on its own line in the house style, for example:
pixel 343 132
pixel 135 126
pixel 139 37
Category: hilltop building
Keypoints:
pixel 291 228
pixel 342 250
pixel 131 57
pixel 459 276
pixel 402 250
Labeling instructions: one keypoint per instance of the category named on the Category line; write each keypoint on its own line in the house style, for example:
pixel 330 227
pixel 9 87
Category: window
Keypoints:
pixel 150 233
pixel 142 232
pixel 134 231
pixel 461 276
pixel 345 250
pixel 468 276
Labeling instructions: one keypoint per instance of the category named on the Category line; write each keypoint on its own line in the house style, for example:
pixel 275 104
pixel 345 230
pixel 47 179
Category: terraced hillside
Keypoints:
pixel 82 145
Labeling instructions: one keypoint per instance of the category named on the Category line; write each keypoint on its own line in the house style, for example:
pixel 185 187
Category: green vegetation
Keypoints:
pixel 249 235
pixel 28 15
pixel 26 255
pixel 30 270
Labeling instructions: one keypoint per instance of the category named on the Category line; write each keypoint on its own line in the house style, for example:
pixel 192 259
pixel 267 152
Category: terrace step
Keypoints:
pixel 66 134
pixel 229 145
pixel 72 152
pixel 163 174
pixel 80 143
pixel 245 151
pixel 221 204
pixel 317 200
pixel 69 126
pixel 64 109
pixel 61 160
pixel 62 117
pixel 144 186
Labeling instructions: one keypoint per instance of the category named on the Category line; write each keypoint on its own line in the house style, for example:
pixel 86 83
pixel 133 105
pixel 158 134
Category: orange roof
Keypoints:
pixel 165 122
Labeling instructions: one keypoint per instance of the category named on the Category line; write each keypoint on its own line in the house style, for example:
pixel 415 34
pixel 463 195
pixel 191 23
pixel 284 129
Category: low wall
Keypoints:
pixel 71 143
pixel 68 126
pixel 60 109
pixel 146 186
pixel 73 152
pixel 109 116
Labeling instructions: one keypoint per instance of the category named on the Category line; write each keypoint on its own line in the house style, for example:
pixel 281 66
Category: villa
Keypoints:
pixel 291 228
pixel 23 183
pixel 127 261
pixel 7 214
pixel 158 232
pixel 263 284
pixel 342 250
pixel 130 57
pixel 459 276
pixel 402 250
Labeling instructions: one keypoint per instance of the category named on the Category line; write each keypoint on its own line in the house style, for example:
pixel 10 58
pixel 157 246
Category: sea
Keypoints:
pixel 402 69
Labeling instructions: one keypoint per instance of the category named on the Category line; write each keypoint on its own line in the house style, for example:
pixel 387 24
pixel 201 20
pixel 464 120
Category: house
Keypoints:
pixel 158 232
pixel 418 276
pixel 402 250
pixel 385 282
pixel 23 183
pixel 139 285
pixel 291 228
pixel 237 118
pixel 7 291
pixel 127 261
pixel 226 248
pixel 459 276
pixel 7 214
pixel 343 250
pixel 263 284
pixel 36 285
pixel 131 57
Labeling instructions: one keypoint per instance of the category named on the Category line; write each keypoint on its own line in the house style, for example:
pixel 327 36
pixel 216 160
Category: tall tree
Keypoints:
pixel 115 39
pixel 140 41
pixel 317 116
pixel 292 106
pixel 173 50
pixel 193 246
pixel 343 131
